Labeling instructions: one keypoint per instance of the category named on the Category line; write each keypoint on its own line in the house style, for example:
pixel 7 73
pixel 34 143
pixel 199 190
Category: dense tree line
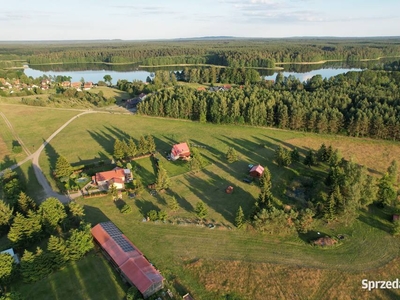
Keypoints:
pixel 356 103
pixel 232 52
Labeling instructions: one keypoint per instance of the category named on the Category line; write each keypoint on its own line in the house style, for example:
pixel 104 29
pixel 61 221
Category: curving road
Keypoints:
pixel 35 160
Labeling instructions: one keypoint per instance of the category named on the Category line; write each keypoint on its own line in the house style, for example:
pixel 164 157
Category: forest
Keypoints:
pixel 225 52
pixel 361 104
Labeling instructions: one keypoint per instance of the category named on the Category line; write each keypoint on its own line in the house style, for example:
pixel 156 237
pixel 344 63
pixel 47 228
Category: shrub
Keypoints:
pixel 152 215
pixel 126 209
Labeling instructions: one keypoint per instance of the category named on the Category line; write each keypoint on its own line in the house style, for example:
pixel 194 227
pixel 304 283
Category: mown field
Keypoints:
pixel 87 279
pixel 213 262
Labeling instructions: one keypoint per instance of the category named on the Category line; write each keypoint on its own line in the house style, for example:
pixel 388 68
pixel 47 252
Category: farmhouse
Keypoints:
pixel 127 259
pixel 256 171
pixel 116 177
pixel 180 151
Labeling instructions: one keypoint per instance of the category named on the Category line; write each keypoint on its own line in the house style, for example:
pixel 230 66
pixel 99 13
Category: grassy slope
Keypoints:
pixel 170 247
pixel 34 124
pixel 89 278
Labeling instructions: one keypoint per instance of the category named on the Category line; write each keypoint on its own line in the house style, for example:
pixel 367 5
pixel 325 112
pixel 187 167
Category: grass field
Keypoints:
pixel 89 278
pixel 35 124
pixel 192 256
pixel 211 262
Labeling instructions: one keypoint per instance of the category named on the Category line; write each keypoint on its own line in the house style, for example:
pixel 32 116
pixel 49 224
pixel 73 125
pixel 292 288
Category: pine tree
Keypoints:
pixel 294 154
pixel 112 190
pixel 393 172
pixel 24 229
pixel 201 209
pixel 232 155
pixel 80 242
pixel 151 145
pixel 173 204
pixel 283 157
pixel 58 252
pixel 28 270
pixel 142 148
pixel 119 152
pixel 162 181
pixel 25 203
pixel 132 149
pixel 6 213
pixel 386 193
pixel 322 154
pixel 265 180
pixel 239 220
pixel 309 160
pixel 63 167
pixel 52 213
pixel 6 269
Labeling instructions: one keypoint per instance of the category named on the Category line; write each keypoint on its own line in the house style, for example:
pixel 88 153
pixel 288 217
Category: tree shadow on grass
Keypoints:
pixel 375 218
pixel 7 162
pixel 145 206
pixel 119 203
pixel 163 147
pixel 183 203
pixel 105 140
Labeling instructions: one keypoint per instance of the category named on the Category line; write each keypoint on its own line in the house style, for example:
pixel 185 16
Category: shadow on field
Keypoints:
pixel 119 204
pixel 374 218
pixel 94 215
pixel 7 162
pixel 105 140
pixel 145 206
pixel 183 203
pixel 118 133
pixel 162 146
pixel 52 156
pixel 212 192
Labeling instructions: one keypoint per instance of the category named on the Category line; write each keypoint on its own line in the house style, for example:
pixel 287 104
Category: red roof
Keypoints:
pixel 181 149
pixel 258 169
pixel 108 175
pixel 128 258
pixel 396 217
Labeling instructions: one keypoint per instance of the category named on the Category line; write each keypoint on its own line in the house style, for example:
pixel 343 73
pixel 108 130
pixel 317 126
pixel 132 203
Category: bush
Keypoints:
pixel 152 215
pixel 126 209
pixel 16 149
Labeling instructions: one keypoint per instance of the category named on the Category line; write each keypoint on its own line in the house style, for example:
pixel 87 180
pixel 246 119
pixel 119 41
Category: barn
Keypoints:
pixel 127 259
pixel 256 171
pixel 180 151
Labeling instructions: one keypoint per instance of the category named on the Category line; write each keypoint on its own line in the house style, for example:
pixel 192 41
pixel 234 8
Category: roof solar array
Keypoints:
pixel 116 235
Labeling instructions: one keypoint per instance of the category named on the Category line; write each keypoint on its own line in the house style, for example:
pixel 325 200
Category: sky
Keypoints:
pixel 169 19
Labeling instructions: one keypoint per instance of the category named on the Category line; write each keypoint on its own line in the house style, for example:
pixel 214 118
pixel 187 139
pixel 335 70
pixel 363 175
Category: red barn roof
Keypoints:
pixel 257 171
pixel 127 257
pixel 181 149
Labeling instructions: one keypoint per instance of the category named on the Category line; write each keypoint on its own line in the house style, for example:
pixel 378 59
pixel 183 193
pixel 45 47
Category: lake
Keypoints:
pixel 95 72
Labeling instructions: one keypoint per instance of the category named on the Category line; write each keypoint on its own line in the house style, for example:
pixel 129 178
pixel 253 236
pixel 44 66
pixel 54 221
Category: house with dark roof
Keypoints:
pixel 127 259
pixel 180 151
pixel 256 171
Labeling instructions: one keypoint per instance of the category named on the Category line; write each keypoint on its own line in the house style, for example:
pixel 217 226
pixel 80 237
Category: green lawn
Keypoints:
pixel 173 246
pixel 89 278
pixel 35 124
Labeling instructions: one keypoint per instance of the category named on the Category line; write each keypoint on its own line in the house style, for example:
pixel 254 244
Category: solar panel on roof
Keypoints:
pixel 116 235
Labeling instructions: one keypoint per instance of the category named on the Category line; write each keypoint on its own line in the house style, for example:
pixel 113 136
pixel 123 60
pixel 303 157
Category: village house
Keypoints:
pixel 88 85
pixel 76 85
pixel 126 258
pixel 66 84
pixel 142 96
pixel 256 171
pixel 180 151
pixel 117 177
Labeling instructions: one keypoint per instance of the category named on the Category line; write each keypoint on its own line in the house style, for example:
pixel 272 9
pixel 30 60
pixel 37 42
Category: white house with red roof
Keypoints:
pixel 116 177
pixel 181 151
